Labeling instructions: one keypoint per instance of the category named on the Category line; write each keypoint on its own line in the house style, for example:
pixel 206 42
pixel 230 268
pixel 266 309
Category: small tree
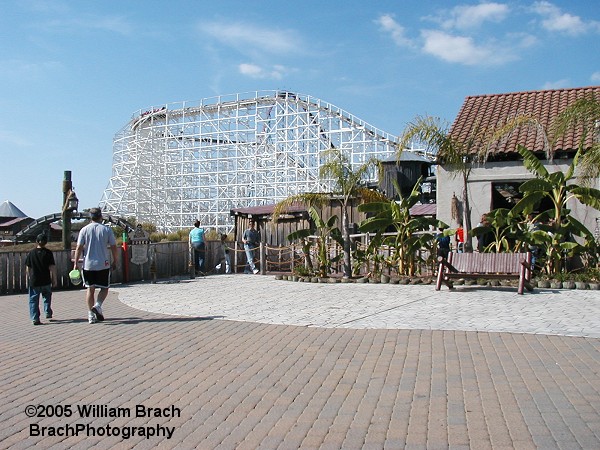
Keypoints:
pixel 410 232
pixel 458 155
pixel 502 225
pixel 556 236
pixel 325 231
pixel 560 188
pixel 348 185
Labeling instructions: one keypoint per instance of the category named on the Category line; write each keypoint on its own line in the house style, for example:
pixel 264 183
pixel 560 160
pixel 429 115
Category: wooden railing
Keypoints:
pixel 165 260
pixel 171 259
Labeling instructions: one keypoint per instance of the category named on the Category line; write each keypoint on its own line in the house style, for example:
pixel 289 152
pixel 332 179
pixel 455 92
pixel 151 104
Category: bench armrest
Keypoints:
pixel 445 263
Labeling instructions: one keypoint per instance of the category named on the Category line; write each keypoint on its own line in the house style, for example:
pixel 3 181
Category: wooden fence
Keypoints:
pixel 171 259
pixel 165 260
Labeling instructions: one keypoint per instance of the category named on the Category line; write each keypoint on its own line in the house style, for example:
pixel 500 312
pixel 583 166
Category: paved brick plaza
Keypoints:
pixel 248 368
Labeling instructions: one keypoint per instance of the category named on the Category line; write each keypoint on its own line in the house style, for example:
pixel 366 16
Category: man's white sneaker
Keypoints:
pixel 255 271
pixel 92 317
pixel 97 310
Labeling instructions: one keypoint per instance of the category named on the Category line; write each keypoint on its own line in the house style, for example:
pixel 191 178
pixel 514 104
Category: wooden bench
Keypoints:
pixel 485 265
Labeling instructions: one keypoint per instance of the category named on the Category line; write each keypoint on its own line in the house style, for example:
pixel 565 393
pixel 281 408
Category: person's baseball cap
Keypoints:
pixel 95 213
pixel 41 238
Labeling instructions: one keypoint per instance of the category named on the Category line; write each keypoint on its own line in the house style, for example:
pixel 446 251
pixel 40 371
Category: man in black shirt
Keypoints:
pixel 41 277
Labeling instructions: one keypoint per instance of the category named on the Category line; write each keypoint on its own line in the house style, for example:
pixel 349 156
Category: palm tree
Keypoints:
pixel 457 154
pixel 347 185
pixel 583 114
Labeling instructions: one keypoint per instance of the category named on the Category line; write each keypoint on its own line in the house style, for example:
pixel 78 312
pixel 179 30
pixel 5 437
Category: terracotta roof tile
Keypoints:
pixel 491 110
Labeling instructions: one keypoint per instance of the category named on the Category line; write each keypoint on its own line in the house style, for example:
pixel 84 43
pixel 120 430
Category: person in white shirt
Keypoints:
pixel 96 242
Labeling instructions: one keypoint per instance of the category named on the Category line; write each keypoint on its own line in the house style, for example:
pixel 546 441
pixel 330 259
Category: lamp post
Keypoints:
pixel 70 204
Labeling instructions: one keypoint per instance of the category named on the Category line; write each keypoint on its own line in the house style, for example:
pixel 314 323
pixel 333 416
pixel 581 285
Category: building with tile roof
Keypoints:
pixel 494 184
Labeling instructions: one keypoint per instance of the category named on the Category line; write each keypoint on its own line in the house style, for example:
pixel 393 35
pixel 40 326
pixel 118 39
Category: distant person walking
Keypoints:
pixel 40 269
pixel 94 242
pixel 196 241
pixel 251 239
pixel 226 256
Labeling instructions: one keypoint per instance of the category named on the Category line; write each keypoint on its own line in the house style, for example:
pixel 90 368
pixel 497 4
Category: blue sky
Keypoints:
pixel 72 73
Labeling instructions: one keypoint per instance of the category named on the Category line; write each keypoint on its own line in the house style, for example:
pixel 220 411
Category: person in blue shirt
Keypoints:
pixel 196 240
pixel 443 244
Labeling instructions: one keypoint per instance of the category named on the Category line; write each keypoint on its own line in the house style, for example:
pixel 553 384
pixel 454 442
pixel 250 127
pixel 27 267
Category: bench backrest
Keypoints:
pixel 488 262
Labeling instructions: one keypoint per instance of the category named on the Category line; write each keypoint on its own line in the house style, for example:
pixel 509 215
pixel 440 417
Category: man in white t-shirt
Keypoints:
pixel 94 241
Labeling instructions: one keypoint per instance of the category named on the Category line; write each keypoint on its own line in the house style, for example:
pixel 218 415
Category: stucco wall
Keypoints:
pixel 480 190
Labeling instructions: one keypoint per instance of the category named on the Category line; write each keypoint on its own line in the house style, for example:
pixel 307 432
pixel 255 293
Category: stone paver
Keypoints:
pixel 252 362
pixel 265 300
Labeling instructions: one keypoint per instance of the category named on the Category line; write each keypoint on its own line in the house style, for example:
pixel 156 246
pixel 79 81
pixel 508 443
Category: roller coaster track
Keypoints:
pixel 179 162
pixel 40 225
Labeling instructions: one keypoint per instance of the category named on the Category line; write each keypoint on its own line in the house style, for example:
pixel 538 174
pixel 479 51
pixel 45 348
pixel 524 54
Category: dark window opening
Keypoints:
pixel 507 195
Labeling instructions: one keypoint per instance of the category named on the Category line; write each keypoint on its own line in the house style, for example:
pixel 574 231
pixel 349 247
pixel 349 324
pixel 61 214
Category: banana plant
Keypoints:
pixel 411 233
pixel 560 188
pixel 371 257
pixel 348 185
pixel 325 232
pixel 504 226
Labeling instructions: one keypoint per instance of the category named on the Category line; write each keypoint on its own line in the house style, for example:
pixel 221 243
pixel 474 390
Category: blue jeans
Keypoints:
pixel 34 301
pixel 250 256
pixel 199 255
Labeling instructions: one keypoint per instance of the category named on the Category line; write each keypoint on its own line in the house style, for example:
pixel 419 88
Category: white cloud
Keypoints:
pixel 276 72
pixel 522 40
pixel 247 36
pixel 462 49
pixel 595 77
pixel 553 19
pixel 558 84
pixel 465 37
pixel 252 70
pixel 396 31
pixel 464 17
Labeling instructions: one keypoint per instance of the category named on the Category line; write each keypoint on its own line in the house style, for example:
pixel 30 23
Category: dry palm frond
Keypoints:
pixel 309 199
pixel 503 131
pixel 454 209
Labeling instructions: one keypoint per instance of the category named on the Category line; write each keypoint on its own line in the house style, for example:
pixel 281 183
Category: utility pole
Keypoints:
pixel 70 204
pixel 66 213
